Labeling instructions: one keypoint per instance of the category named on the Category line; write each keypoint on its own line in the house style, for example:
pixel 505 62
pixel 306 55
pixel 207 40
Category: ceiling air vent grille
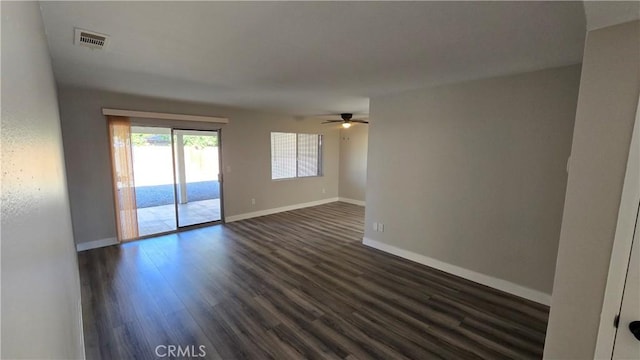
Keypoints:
pixel 90 39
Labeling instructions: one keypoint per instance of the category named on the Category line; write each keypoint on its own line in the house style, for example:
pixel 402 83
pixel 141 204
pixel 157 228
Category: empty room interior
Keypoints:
pixel 320 180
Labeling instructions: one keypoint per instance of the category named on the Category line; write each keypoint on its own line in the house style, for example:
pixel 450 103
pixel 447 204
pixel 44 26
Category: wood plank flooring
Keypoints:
pixel 289 286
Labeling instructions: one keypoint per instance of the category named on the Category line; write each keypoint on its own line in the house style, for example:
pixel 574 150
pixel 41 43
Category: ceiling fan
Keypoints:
pixel 346 120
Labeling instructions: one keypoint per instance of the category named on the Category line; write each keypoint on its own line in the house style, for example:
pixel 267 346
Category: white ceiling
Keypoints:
pixel 306 58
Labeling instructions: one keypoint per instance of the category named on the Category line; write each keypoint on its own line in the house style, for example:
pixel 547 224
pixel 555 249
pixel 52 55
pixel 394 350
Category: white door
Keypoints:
pixel 627 344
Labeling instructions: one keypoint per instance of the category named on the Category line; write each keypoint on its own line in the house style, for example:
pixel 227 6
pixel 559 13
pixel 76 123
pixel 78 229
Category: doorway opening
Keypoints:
pixel 176 177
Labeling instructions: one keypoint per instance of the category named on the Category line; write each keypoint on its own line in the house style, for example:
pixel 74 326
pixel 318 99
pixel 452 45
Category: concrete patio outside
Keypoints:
pixel 159 219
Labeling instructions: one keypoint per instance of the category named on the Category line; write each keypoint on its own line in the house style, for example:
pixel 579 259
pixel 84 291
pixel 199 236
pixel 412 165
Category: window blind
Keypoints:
pixel 295 155
pixel 308 155
pixel 283 155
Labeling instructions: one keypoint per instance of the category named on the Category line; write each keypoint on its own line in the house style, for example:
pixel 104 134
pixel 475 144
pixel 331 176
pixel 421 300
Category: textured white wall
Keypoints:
pixel 41 317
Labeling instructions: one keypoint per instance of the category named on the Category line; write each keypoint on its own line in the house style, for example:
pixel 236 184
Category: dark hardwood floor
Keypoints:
pixel 289 286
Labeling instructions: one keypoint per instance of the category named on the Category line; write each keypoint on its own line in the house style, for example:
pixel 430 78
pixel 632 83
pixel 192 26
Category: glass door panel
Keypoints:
pixel 197 171
pixel 153 178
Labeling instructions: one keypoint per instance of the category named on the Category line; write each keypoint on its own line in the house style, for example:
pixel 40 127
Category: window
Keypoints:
pixel 295 155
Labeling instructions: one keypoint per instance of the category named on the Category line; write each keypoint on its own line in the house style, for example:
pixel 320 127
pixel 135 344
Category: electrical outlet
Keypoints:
pixel 381 227
pixel 253 201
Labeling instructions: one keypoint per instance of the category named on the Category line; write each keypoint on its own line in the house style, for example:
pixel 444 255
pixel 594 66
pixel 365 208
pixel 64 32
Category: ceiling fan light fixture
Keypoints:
pixel 346 121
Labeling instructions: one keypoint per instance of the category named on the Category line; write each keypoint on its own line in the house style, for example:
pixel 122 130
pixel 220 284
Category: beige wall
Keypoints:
pixel 474 174
pixel 41 316
pixel 353 162
pixel 609 89
pixel 245 157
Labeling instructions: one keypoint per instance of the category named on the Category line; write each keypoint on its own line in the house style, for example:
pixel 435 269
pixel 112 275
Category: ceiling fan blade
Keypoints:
pixel 360 121
pixel 331 121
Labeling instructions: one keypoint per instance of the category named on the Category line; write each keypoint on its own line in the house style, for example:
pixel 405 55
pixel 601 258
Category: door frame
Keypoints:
pixel 220 179
pixel 175 183
pixel 621 250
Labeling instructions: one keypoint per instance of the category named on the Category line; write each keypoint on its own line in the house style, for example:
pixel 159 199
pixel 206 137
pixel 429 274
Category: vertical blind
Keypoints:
pixel 123 184
pixel 295 155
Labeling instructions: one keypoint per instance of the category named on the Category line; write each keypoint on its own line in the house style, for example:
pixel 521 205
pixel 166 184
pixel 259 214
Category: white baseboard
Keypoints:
pixel 503 285
pixel 96 244
pixel 352 201
pixel 250 215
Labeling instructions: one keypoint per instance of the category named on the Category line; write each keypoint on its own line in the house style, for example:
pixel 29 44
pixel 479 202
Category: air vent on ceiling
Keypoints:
pixel 91 39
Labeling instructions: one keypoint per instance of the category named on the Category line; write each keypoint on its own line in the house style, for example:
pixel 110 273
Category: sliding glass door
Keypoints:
pixel 153 178
pixel 176 178
pixel 197 170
